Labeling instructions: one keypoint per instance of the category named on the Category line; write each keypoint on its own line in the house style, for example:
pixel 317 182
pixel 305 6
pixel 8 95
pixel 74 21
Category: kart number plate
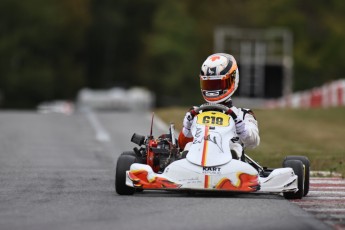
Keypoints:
pixel 212 118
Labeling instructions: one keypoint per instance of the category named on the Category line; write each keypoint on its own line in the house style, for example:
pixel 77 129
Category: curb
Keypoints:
pixel 324 174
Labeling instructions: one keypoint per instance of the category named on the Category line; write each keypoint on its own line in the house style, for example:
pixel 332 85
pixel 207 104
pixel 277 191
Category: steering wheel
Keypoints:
pixel 214 106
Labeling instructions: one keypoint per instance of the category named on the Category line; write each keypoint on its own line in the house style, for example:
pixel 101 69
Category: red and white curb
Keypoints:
pixel 326 200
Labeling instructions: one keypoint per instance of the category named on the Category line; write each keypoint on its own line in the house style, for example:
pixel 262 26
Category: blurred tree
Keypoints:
pixel 115 41
pixel 317 27
pixel 41 43
pixel 51 48
pixel 170 62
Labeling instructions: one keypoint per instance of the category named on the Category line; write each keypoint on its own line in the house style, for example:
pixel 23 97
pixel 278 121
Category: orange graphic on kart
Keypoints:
pixel 139 178
pixel 246 183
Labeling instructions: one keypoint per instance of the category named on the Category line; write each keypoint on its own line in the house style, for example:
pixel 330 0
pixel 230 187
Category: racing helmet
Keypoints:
pixel 219 77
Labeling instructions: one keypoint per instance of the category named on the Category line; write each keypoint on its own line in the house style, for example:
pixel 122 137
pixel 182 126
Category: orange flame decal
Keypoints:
pixel 139 178
pixel 246 183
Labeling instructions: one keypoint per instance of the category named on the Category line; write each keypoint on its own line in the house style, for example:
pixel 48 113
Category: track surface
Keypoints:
pixel 57 172
pixel 326 200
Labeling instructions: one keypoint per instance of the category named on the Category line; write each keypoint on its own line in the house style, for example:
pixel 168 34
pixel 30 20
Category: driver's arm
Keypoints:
pixel 186 134
pixel 183 140
pixel 253 138
pixel 247 128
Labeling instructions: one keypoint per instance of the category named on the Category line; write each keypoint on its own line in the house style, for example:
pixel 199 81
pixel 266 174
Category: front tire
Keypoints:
pixel 138 159
pixel 306 163
pixel 298 168
pixel 123 164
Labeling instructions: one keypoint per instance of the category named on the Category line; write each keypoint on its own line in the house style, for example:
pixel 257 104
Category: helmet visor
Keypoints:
pixel 215 83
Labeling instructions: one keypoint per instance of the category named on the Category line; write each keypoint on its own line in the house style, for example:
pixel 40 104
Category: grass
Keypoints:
pixel 318 134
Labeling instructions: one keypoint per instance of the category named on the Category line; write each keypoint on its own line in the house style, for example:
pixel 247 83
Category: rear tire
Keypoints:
pixel 298 168
pixel 306 163
pixel 123 164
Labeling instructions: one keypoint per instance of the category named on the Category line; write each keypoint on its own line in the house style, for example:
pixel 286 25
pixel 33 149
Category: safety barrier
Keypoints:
pixel 329 95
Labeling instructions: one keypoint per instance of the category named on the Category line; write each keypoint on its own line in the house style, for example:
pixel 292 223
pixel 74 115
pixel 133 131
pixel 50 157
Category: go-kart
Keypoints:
pixel 209 164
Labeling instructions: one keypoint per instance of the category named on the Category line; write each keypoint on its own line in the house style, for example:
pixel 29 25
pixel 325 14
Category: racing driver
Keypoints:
pixel 219 78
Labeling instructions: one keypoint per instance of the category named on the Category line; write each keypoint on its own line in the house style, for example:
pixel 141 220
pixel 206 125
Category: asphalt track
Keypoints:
pixel 57 172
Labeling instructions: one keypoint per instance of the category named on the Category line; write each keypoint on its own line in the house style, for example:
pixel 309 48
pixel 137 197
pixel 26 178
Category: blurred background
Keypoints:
pixel 53 49
pixel 98 60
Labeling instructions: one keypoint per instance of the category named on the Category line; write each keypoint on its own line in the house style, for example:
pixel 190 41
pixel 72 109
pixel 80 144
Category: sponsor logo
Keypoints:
pixel 211 170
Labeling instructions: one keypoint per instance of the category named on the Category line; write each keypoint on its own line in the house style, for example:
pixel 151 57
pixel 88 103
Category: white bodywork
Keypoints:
pixel 209 164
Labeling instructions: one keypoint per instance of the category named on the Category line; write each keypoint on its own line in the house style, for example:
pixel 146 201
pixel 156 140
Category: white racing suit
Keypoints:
pixel 251 140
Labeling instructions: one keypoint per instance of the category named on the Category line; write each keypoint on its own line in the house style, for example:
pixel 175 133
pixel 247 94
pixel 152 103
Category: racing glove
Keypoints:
pixel 187 124
pixel 188 120
pixel 241 128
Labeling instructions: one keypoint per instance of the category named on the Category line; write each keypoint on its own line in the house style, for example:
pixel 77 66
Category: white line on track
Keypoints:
pixel 323 203
pixel 340 182
pixel 323 198
pixel 327 192
pixel 322 210
pixel 326 178
pixel 326 188
pixel 101 134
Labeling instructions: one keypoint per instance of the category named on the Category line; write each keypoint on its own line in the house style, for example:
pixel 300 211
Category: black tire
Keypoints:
pixel 123 164
pixel 306 163
pixel 298 168
pixel 132 153
pixel 138 160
